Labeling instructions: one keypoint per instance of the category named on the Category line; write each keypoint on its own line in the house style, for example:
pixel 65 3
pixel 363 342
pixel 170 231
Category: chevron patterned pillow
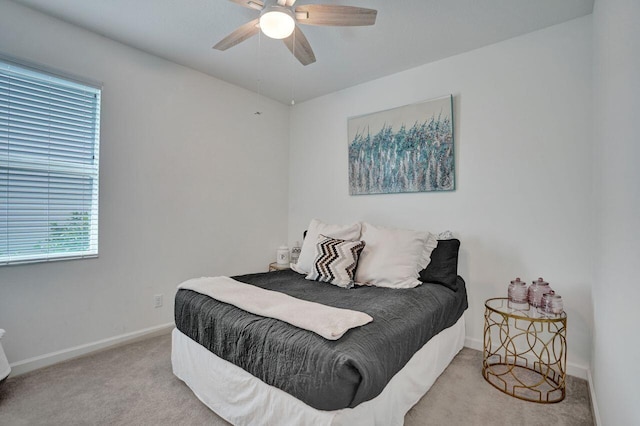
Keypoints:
pixel 336 261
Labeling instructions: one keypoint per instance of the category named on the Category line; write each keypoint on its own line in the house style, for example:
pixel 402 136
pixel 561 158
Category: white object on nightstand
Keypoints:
pixel 4 363
pixel 282 255
pixel 295 252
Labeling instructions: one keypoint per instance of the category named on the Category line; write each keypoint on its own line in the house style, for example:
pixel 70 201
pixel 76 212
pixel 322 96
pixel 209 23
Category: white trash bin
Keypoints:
pixel 4 363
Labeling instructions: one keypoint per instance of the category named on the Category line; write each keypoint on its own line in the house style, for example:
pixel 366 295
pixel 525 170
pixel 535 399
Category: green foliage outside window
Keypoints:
pixel 70 235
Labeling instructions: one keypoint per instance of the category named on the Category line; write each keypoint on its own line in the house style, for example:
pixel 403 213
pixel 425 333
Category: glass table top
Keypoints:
pixel 501 306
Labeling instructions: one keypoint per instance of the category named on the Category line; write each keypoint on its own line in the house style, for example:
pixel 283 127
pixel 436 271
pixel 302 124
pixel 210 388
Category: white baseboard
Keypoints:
pixel 30 364
pixel 594 404
pixel 573 369
pixel 472 343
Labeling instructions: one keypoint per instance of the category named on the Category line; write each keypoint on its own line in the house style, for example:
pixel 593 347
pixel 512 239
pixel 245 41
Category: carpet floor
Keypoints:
pixel 134 385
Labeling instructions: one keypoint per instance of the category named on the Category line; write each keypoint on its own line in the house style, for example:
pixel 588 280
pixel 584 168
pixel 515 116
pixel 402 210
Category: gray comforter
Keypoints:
pixel 327 375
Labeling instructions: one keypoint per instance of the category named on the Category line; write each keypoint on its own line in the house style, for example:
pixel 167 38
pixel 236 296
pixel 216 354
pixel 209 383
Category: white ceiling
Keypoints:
pixel 407 33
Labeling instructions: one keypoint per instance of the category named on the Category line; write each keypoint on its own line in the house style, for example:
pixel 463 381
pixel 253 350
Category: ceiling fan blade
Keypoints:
pixel 300 47
pixel 290 2
pixel 326 14
pixel 242 33
pixel 251 4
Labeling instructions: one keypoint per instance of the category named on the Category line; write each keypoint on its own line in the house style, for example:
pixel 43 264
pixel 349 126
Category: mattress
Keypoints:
pixel 325 375
pixel 243 399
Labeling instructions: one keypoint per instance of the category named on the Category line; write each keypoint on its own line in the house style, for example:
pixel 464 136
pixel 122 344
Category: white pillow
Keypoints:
pixel 393 257
pixel 317 227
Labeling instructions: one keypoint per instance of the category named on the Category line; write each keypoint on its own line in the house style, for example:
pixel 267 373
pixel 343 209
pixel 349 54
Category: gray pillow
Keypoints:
pixel 443 268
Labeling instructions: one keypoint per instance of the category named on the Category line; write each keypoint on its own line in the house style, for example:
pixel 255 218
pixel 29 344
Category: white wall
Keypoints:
pixel 192 183
pixel 523 204
pixel 616 294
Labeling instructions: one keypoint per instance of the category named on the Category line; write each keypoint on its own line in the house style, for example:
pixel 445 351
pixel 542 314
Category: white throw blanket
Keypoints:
pixel 327 321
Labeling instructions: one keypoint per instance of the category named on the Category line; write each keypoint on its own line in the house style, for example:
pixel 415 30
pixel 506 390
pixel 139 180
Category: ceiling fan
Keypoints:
pixel 278 20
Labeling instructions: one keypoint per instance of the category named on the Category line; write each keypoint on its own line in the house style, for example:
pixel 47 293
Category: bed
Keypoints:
pixel 256 370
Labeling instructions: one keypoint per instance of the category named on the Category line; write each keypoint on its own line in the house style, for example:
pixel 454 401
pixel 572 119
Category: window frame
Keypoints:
pixel 56 169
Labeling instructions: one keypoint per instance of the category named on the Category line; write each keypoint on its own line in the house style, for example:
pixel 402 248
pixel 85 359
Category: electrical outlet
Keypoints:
pixel 157 301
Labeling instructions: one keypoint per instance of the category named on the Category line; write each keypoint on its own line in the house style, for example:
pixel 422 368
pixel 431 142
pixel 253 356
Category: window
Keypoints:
pixel 49 146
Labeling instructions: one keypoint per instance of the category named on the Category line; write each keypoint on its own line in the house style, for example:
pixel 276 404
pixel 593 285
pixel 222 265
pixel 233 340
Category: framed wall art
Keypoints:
pixel 405 149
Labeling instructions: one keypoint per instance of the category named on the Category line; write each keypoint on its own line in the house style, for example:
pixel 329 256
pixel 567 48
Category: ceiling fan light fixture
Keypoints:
pixel 277 22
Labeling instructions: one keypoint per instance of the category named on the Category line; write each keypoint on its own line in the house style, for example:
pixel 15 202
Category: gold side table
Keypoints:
pixel 525 352
pixel 274 266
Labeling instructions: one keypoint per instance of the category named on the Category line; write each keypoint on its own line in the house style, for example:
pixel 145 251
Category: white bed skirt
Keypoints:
pixel 242 399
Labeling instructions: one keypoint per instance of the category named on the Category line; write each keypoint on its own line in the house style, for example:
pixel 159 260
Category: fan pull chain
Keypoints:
pixel 258 112
pixel 293 73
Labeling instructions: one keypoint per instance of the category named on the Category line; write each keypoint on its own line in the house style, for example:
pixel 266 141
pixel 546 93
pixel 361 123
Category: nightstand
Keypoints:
pixel 525 351
pixel 273 266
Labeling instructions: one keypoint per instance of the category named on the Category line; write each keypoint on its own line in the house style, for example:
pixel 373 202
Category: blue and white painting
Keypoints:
pixel 405 149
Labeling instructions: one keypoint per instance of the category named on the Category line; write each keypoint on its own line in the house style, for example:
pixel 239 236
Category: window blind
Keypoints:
pixel 49 157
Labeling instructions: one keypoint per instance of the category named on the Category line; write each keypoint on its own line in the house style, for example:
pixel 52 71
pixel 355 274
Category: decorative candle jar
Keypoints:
pixel 295 252
pixel 545 303
pixel 536 290
pixel 556 305
pixel 518 295
pixel 551 304
pixel 282 255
